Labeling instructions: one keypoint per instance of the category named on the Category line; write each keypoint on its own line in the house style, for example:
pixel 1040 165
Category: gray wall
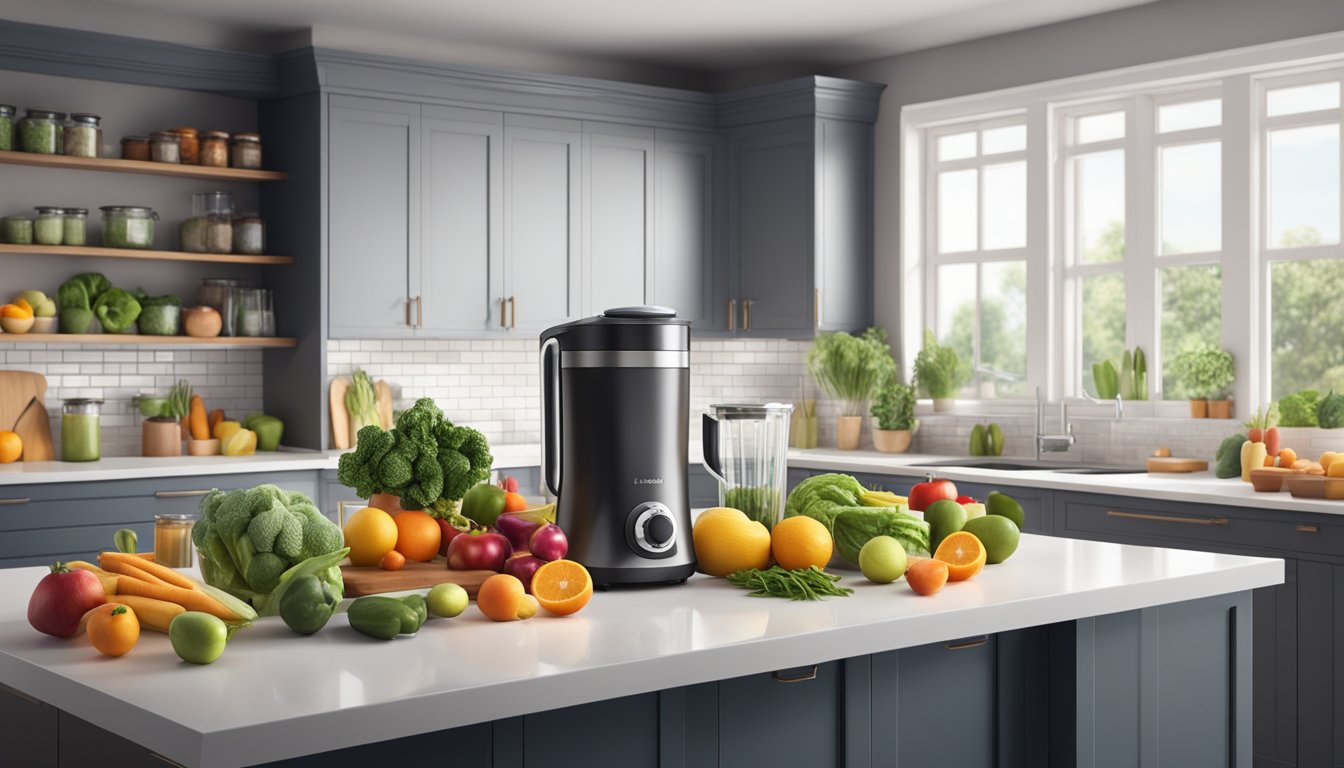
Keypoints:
pixel 1138 35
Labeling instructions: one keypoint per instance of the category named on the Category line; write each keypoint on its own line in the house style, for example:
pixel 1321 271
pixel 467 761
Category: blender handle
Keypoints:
pixel 709 443
pixel 550 416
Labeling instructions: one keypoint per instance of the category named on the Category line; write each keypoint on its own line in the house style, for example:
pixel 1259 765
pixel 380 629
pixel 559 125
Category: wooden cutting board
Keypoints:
pixel 360 581
pixel 34 429
pixel 340 418
pixel 1169 464
pixel 383 396
pixel 17 390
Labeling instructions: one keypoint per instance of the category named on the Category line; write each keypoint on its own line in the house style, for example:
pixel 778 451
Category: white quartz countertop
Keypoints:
pixel 275 695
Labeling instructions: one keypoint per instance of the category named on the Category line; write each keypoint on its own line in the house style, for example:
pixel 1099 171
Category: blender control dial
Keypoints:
pixel 653 527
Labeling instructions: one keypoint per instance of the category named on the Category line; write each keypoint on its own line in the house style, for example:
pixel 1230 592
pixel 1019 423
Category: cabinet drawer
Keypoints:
pixel 789 701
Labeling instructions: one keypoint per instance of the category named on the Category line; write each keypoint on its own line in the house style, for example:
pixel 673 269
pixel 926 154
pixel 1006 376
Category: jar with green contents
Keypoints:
pixel 75 230
pixel 18 230
pixel 49 227
pixel 81 432
pixel 6 127
pixel 128 226
pixel 42 131
pixel 83 137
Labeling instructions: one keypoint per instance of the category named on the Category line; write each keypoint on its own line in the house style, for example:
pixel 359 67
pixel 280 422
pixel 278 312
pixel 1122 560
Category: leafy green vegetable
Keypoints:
pixel 1203 371
pixel 423 459
pixel 249 540
pixel 849 368
pixel 1227 461
pixel 361 401
pixel 1330 413
pixel 855 526
pixel 759 504
pixel 811 583
pixel 894 406
pixel 821 497
pixel 116 309
pixel 81 291
pixel 938 369
pixel 1299 409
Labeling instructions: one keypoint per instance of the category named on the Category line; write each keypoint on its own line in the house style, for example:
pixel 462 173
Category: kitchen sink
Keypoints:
pixel 1022 465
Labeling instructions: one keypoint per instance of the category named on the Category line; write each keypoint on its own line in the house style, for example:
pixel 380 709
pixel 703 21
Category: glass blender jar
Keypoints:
pixel 746 447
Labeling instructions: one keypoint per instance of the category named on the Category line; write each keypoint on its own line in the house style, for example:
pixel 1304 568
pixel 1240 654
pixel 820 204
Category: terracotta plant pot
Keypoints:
pixel 847 431
pixel 943 404
pixel 161 438
pixel 386 502
pixel 1220 409
pixel 892 440
pixel 1199 409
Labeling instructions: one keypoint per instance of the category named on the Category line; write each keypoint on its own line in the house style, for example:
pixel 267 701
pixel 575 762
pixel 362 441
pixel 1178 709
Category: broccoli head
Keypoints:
pixel 465 457
pixel 289 543
pixel 266 526
pixel 264 572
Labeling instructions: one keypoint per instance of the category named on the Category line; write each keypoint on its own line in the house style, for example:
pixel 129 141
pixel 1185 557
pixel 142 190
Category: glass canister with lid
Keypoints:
pixel 249 234
pixel 214 150
pixel 210 228
pixel 83 137
pixel 172 540
pixel 81 430
pixel 42 131
pixel 75 226
pixel 165 147
pixel 49 226
pixel 128 226
pixel 189 145
pixel 247 151
pixel 135 148
pixel 7 127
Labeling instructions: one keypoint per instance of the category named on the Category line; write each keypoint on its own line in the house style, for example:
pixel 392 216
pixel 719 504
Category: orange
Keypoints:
pixel 1286 457
pixel 725 543
pixel 11 447
pixel 25 305
pixel 1336 469
pixel 502 598
pixel 113 629
pixel 800 542
pixel 562 587
pixel 1328 458
pixel 418 535
pixel 370 533
pixel 926 576
pixel 392 561
pixel 964 555
pixel 15 311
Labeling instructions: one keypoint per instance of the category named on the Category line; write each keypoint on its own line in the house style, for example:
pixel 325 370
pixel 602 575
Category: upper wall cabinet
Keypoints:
pixel 618 199
pixel 688 226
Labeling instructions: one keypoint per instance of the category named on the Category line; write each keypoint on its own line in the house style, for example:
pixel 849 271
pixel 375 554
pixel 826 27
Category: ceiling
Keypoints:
pixel 697 35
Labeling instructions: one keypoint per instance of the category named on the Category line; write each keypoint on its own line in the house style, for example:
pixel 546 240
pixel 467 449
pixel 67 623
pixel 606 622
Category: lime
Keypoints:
pixel 882 559
pixel 447 600
pixel 997 533
pixel 197 637
pixel 945 517
pixel 1006 506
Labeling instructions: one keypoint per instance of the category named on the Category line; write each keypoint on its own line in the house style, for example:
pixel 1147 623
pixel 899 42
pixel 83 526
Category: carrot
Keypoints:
pixel 129 570
pixel 1272 440
pixel 162 572
pixel 191 599
pixel 153 614
pixel 216 416
pixel 200 423
pixel 1256 435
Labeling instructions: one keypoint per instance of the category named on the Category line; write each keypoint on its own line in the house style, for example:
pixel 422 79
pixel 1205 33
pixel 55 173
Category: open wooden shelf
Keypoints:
pixel 133 253
pixel 117 165
pixel 161 341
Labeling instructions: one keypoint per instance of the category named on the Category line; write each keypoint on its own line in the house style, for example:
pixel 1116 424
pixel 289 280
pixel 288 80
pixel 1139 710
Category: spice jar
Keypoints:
pixel 128 226
pixel 189 144
pixel 214 149
pixel 41 131
pixel 135 148
pixel 249 234
pixel 74 230
pixel 210 228
pixel 247 151
pixel 165 147
pixel 83 137
pixel 49 227
pixel 172 540
pixel 18 230
pixel 81 430
pixel 6 127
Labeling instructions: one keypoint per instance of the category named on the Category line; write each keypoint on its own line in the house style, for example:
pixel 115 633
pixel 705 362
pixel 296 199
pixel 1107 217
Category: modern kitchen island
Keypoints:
pixel 1071 653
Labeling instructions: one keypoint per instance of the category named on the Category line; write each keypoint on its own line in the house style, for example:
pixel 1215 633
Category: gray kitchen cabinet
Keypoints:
pixel 541 221
pixel 935 700
pixel 1320 664
pixel 460 267
pixel 373 226
pixel 688 227
pixel 28 729
pixel 1274 674
pixel 758 714
pixel 618 195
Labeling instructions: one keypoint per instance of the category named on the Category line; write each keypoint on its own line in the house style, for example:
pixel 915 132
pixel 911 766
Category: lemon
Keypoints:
pixel 725 543
pixel 370 533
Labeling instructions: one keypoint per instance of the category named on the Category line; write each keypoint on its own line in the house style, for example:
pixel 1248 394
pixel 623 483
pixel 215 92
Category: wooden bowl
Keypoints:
pixel 1306 486
pixel 203 447
pixel 1269 479
pixel 16 324
pixel 1334 488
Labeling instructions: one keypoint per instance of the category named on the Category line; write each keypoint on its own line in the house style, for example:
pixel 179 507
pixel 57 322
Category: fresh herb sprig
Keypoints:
pixel 811 583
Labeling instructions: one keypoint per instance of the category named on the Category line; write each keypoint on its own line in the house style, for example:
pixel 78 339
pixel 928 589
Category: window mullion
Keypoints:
pixel 1042 344
pixel 1141 203
pixel 1243 307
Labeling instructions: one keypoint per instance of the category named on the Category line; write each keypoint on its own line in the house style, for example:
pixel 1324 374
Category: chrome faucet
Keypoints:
pixel 1063 442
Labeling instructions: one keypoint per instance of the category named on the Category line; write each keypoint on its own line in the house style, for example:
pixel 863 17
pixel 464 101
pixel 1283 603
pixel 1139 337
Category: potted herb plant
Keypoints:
pixel 1204 372
pixel 939 372
pixel 849 368
pixel 161 434
pixel 894 413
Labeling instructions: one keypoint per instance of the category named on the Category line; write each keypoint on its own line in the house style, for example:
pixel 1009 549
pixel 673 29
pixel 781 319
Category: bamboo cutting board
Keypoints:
pixel 1168 464
pixel 360 581
pixel 34 429
pixel 340 417
pixel 17 390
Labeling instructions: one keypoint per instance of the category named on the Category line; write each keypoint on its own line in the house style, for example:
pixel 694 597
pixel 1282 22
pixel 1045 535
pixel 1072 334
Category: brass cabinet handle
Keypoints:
pixel 1168 518
pixel 810 674
pixel 503 308
pixel 179 494
pixel 409 300
pixel 419 312
pixel 746 314
pixel 513 311
pixel 14 502
pixel 967 644
pixel 816 309
pixel 732 314
pixel 1307 528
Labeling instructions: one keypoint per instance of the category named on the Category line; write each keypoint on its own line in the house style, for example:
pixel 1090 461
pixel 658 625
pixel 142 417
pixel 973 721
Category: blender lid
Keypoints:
pixel 646 311
pixel 749 410
pixel 639 328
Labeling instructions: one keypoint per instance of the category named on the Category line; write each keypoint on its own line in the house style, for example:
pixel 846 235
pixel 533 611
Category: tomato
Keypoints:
pixel 963 499
pixel 924 494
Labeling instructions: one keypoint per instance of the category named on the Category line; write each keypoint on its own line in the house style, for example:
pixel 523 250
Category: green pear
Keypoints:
pixel 945 517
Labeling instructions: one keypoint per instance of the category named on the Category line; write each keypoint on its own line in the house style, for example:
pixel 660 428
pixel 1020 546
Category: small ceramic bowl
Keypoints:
pixel 1269 479
pixel 44 325
pixel 1334 488
pixel 203 447
pixel 16 324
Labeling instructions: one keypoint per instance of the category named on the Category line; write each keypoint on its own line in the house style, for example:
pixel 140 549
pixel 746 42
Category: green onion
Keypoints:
pixel 811 583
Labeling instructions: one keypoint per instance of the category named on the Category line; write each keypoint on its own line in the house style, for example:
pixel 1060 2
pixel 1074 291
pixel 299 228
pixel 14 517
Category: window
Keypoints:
pixel 977 276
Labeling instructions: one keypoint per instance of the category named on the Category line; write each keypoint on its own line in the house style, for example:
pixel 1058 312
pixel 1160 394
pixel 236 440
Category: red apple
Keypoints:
pixel 549 543
pixel 924 494
pixel 478 550
pixel 523 565
pixel 448 533
pixel 62 598
pixel 518 527
pixel 964 499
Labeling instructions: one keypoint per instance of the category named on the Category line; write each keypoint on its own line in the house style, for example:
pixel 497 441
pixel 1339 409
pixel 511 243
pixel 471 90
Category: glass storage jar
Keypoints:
pixel 49 227
pixel 210 228
pixel 165 147
pixel 18 230
pixel 81 430
pixel 75 226
pixel 128 226
pixel 135 148
pixel 189 144
pixel 172 540
pixel 214 149
pixel 250 319
pixel 42 131
pixel 247 151
pixel 6 127
pixel 83 137
pixel 249 234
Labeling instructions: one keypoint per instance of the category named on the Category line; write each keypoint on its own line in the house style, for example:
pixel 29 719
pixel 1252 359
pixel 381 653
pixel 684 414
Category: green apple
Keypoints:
pixel 447 600
pixel 197 637
pixel 882 560
pixel 997 533
pixel 42 306
pixel 1007 506
pixel 945 517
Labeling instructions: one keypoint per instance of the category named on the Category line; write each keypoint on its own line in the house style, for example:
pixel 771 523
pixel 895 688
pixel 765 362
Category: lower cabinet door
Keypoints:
pixel 27 730
pixel 790 718
pixel 1274 671
pixel 935 704
pixel 620 732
